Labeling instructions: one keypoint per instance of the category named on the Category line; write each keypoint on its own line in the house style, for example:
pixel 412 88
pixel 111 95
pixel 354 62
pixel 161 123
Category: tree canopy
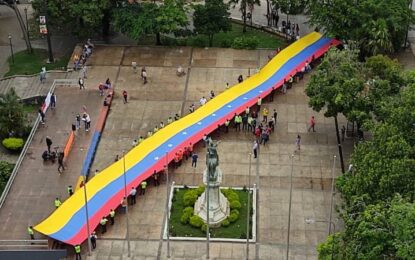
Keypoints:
pixel 212 18
pixel 12 115
pixel 81 17
pixel 138 19
pixel 378 26
pixel 378 194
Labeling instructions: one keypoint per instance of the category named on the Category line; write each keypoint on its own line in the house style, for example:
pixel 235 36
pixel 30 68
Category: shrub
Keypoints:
pixel 189 198
pixel 230 194
pixel 13 144
pixel 245 43
pixel 203 227
pixel 188 210
pixel 199 41
pixel 200 190
pixel 196 221
pixel 184 219
pixel 235 211
pixel 5 172
pixel 233 217
pixel 225 223
pixel 226 43
pixel 235 204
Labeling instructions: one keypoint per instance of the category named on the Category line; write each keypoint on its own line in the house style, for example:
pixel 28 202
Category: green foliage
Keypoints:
pixel 233 217
pixel 187 213
pixel 190 197
pixel 188 210
pixel 31 63
pixel 82 17
pixel 12 115
pixel 378 26
pixel 196 221
pixel 139 19
pixel 337 85
pixel 211 18
pixel 250 43
pixel 5 172
pixel 184 219
pixel 230 194
pixel 13 144
pixel 200 190
pixel 330 245
pixel 378 195
pixel 226 43
pixel 234 204
pixel 203 227
pixel 290 7
pixel 234 230
pixel 225 223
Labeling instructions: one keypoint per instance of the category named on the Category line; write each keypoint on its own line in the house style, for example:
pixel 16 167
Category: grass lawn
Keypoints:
pixel 31 63
pixel 234 230
pixel 266 40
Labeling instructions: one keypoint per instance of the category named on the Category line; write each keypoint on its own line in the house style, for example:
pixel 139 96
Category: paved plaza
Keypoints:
pixel 38 183
pixel 166 94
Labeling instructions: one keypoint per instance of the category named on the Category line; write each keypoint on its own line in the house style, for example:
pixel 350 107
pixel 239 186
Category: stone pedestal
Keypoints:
pixel 218 204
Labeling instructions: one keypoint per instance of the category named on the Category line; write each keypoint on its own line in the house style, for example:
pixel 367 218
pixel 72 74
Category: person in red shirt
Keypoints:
pixel 190 149
pixel 176 160
pixel 312 124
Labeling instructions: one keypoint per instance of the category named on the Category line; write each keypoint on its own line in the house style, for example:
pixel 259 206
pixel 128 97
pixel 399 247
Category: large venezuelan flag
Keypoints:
pixel 105 191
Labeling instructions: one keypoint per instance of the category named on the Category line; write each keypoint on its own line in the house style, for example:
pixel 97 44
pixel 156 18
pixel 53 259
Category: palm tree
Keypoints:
pixel 12 115
pixel 379 40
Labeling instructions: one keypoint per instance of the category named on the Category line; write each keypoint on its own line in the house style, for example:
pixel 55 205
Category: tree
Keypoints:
pixel 384 230
pixel 139 19
pixel 291 7
pixel 12 115
pixel 135 20
pixel 5 171
pixel 81 17
pixel 172 16
pixel 212 18
pixel 337 86
pixel 244 4
pixel 379 26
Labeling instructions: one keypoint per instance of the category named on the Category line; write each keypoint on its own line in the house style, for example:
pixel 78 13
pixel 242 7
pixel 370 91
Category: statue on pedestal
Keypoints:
pixel 212 177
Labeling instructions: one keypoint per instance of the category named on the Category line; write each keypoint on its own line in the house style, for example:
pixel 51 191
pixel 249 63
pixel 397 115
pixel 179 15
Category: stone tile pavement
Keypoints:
pixel 167 94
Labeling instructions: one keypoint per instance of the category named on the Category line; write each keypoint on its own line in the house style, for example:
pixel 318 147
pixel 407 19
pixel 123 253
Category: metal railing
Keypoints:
pixel 26 147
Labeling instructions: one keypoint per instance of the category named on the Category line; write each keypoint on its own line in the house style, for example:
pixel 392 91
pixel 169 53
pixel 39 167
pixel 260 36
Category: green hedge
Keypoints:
pixel 13 144
pixel 5 171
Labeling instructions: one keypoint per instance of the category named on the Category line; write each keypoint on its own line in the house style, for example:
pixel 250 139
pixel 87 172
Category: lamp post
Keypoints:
pixel 207 218
pixel 289 207
pixel 126 208
pixel 167 205
pixel 312 221
pixel 11 47
pixel 249 207
pixel 87 216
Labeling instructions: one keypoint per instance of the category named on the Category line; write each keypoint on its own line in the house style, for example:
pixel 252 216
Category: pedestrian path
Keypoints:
pixel 106 190
pixel 27 87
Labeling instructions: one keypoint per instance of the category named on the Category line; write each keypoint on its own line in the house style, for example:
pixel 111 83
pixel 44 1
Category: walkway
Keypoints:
pixel 37 184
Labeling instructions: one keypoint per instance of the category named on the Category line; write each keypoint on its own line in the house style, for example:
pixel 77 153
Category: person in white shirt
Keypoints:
pixel 202 101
